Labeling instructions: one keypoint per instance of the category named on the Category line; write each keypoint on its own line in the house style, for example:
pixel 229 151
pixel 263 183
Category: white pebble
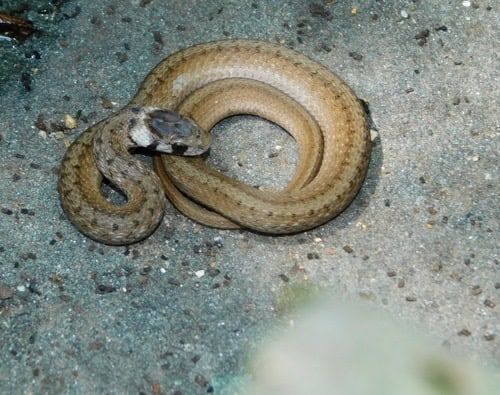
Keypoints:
pixel 466 3
pixel 199 273
pixel 404 14
pixel 70 122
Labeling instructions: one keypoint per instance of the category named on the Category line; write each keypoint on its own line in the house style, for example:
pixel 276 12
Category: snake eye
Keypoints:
pixel 179 148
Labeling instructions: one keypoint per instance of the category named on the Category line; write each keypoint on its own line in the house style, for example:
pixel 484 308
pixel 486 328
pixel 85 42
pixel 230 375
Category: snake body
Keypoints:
pixel 211 81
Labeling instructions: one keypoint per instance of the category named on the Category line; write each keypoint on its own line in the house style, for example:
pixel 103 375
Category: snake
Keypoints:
pixel 175 107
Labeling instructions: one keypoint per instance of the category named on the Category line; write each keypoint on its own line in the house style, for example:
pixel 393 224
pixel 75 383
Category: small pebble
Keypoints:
pixel 70 122
pixel 476 290
pixel 199 273
pixel 489 337
pixel 404 14
pixel 284 278
pixel 6 292
pixel 466 3
pixel 313 255
pixel 348 249
pixel 464 332
pixel 489 303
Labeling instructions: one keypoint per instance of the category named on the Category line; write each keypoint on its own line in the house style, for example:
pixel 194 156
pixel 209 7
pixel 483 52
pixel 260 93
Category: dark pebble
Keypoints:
pixel 441 28
pixel 158 37
pixel 196 358
pixel 464 332
pixel 25 211
pixel 476 290
pixel 102 289
pixel 96 21
pixel 319 10
pixel 284 278
pixel 489 303
pixel 348 249
pixel 213 272
pixel 422 36
pixel 121 56
pixel 26 81
pixel 356 56
pixel 313 255
pixel 40 123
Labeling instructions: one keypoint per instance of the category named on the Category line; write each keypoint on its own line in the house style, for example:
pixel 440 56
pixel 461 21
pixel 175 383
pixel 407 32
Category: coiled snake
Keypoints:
pixel 208 82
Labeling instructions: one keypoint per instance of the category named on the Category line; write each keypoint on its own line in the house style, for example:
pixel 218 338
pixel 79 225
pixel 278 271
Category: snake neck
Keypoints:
pixel 112 145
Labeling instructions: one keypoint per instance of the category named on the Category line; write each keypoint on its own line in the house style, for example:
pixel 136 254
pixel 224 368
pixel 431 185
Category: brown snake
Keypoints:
pixel 209 82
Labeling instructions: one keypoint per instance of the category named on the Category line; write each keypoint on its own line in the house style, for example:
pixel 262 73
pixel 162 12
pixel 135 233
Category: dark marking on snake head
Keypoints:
pixel 131 123
pixel 153 145
pixel 179 148
pixel 135 110
pixel 110 161
pixel 115 227
pixel 165 115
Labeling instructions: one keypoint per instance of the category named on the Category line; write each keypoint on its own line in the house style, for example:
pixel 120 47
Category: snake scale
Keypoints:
pixel 206 83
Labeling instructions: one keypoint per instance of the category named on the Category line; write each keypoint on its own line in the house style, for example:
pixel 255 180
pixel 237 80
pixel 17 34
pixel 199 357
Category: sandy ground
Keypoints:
pixel 180 312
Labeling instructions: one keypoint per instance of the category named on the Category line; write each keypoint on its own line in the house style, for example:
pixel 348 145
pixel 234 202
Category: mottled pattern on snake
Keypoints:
pixel 208 82
pixel 103 152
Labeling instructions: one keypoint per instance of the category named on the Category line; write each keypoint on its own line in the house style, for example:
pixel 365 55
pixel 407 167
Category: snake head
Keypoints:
pixel 167 131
